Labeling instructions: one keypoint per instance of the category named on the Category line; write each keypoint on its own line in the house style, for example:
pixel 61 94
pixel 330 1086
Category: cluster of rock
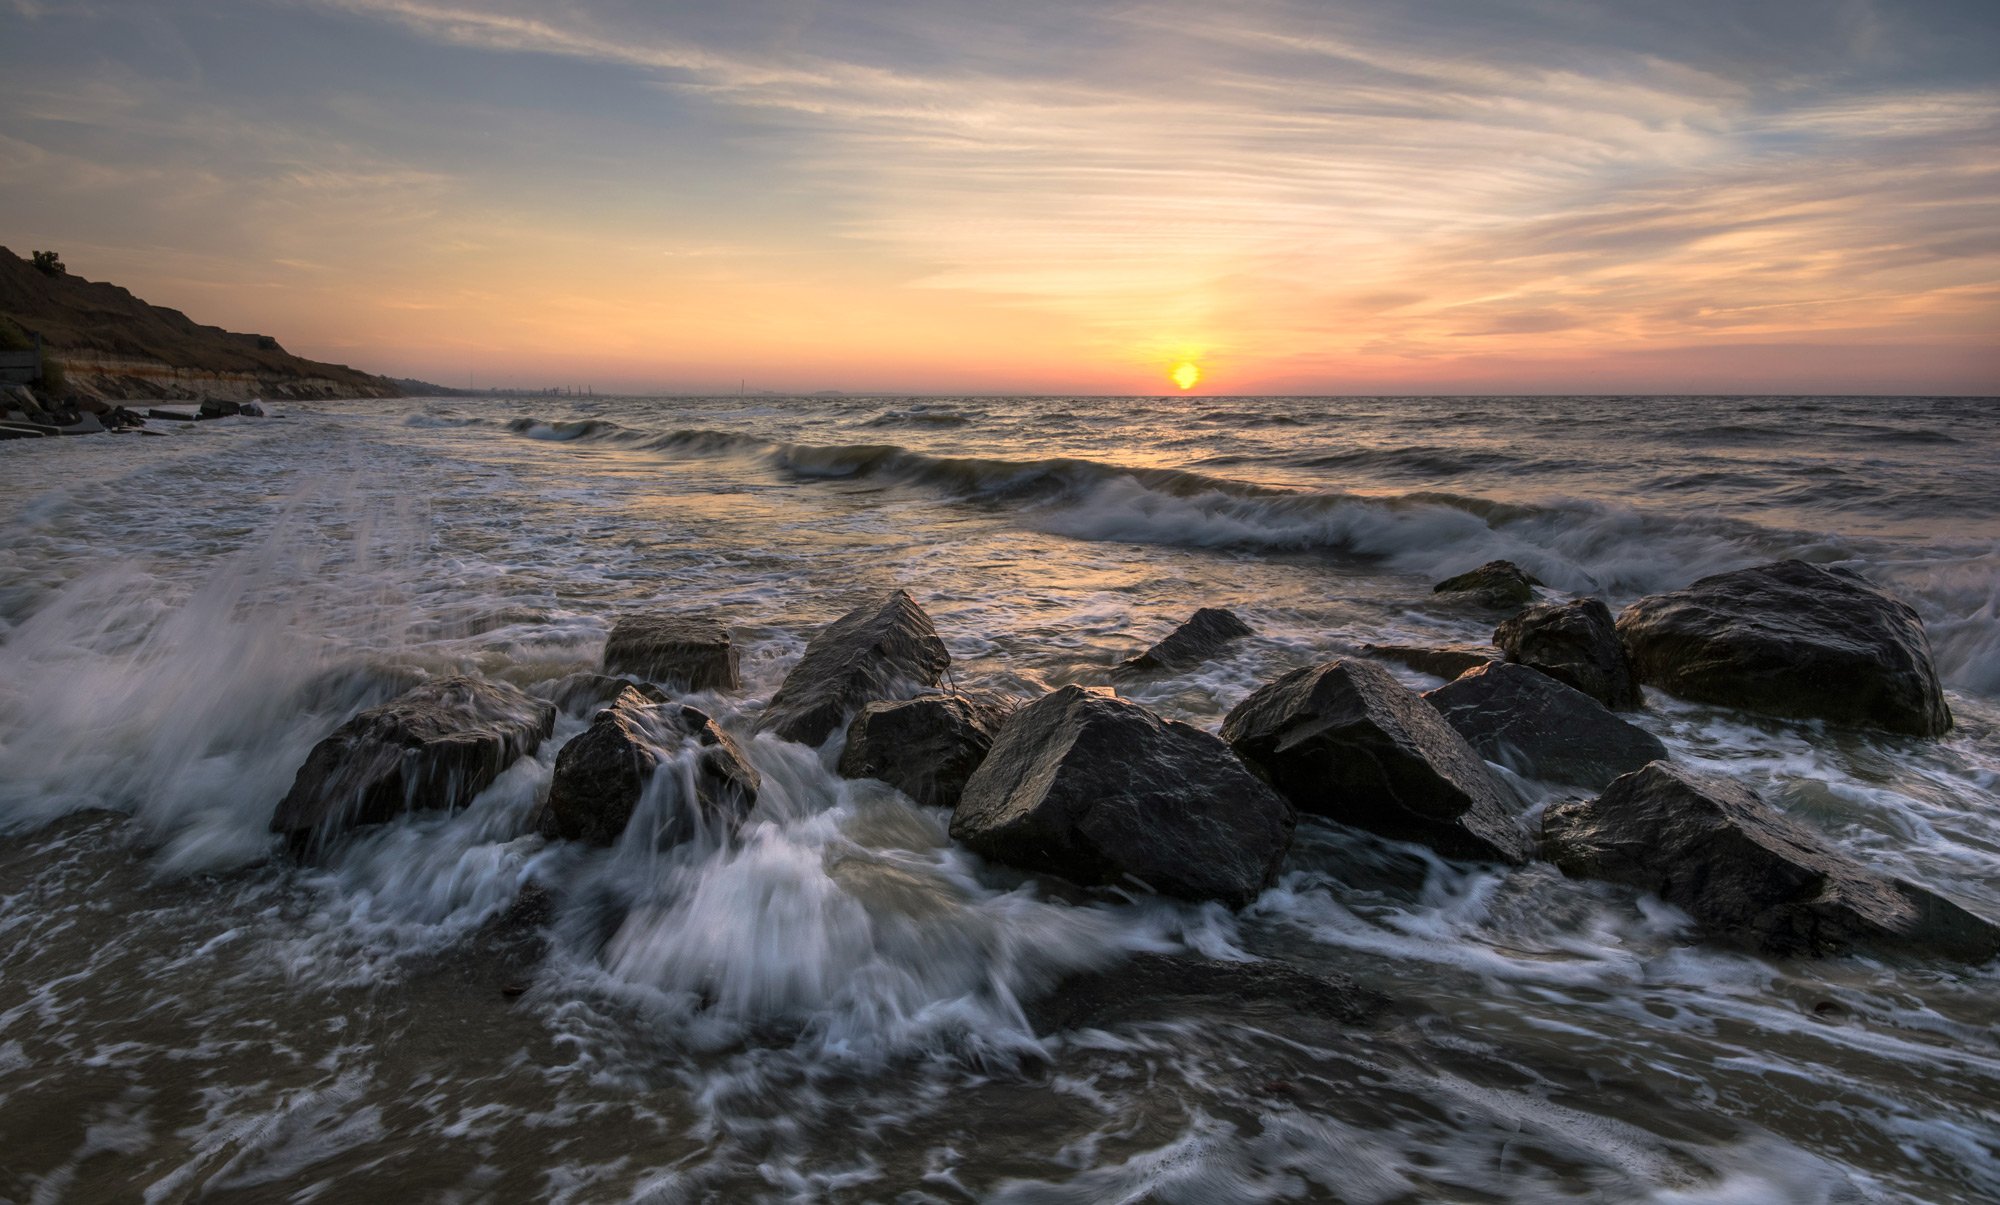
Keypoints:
pixel 1789 639
pixel 1098 790
pixel 26 415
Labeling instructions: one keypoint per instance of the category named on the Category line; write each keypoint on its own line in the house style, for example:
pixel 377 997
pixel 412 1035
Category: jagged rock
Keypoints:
pixel 579 693
pixel 691 653
pixel 1791 639
pixel 1201 638
pixel 1101 791
pixel 1445 661
pixel 1347 741
pixel 1535 726
pixel 215 407
pixel 879 650
pixel 1495 584
pixel 602 774
pixel 1748 873
pixel 925 747
pixel 434 746
pixel 1575 643
pixel 1169 986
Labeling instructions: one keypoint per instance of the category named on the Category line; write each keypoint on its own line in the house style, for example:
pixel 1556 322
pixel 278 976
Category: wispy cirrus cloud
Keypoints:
pixel 1368 189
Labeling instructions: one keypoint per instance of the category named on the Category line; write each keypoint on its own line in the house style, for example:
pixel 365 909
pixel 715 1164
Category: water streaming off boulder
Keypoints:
pixel 832 999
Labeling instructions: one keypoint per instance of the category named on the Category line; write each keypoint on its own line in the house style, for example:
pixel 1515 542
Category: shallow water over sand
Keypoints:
pixel 840 1004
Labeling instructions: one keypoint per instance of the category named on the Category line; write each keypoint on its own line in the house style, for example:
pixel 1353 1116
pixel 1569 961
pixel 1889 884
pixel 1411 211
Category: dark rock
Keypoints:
pixel 215 407
pixel 1534 725
pixel 1575 643
pixel 926 747
pixel 1347 741
pixel 1100 790
pixel 1748 873
pixel 1171 986
pixel 504 954
pixel 1494 584
pixel 1201 638
pixel 603 773
pixel 1791 639
pixel 879 650
pixel 694 654
pixel 1445 661
pixel 580 693
pixel 434 746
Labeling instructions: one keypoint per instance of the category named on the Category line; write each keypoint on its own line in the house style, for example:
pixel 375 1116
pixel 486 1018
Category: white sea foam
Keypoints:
pixel 833 998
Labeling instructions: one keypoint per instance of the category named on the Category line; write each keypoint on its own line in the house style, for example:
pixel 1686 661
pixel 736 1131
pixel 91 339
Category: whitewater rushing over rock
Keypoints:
pixel 809 990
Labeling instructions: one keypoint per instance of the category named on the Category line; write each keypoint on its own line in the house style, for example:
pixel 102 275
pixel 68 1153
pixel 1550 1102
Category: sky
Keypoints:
pixel 1379 196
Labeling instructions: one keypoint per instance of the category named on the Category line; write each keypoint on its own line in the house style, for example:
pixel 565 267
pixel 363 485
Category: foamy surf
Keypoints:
pixel 835 999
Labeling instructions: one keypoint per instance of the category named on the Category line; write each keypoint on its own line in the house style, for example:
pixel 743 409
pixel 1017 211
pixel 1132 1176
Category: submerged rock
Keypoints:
pixel 926 747
pixel 1202 638
pixel 1535 726
pixel 687 653
pixel 1748 873
pixel 602 774
pixel 1101 791
pixel 434 746
pixel 1575 643
pixel 1791 639
pixel 1445 661
pixel 583 692
pixel 879 650
pixel 1495 584
pixel 1347 741
pixel 1155 986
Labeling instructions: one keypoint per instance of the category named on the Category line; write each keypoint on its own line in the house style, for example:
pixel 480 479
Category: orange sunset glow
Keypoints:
pixel 1347 198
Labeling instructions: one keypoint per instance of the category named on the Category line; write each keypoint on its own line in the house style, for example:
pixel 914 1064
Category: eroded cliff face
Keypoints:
pixel 121 378
pixel 112 345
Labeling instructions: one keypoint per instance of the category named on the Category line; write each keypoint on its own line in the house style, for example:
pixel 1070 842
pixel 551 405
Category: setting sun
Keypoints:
pixel 1185 374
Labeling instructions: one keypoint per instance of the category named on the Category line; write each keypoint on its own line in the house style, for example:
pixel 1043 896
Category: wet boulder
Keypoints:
pixel 685 652
pixel 1445 661
pixel 1345 740
pixel 926 747
pixel 1496 584
pixel 880 650
pixel 1202 638
pixel 218 407
pixel 604 773
pixel 1575 643
pixel 1791 639
pixel 582 693
pixel 1099 790
pixel 434 746
pixel 1535 726
pixel 1749 874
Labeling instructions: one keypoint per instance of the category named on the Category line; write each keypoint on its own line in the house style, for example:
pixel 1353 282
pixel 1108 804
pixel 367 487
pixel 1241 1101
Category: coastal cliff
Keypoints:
pixel 110 344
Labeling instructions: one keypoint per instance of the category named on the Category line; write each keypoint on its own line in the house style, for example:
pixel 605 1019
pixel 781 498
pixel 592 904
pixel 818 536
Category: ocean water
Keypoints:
pixel 839 1005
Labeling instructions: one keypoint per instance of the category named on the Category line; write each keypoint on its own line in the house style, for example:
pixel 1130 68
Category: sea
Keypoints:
pixel 840 1003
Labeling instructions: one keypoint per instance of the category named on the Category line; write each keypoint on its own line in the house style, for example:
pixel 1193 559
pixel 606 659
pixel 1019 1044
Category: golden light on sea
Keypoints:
pixel 1186 373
